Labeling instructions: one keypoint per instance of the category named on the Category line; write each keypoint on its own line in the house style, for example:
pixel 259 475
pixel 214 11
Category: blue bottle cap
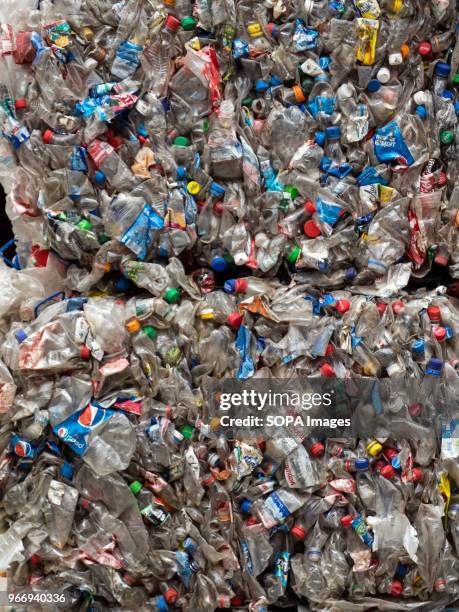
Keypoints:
pixel 100 177
pixel 181 172
pixel 373 85
pixel 325 61
pixel 20 336
pixel 421 111
pixel 166 104
pixel 67 470
pixel 333 132
pixel 449 332
pixel 351 273
pixel 218 264
pixel 456 108
pixel 122 284
pixel 275 81
pixel 418 346
pixel 246 506
pixel 321 77
pixel 320 138
pixel 395 463
pixel 230 286
pixel 401 570
pixel 216 190
pixel 448 94
pixel 161 604
pixel 434 367
pixel 361 464
pixel 442 69
pixel 261 86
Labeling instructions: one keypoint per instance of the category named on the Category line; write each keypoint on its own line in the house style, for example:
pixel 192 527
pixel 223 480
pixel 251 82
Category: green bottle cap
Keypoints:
pixel 172 295
pixel 84 224
pixel 456 78
pixel 150 331
pixel 182 141
pixel 103 238
pixel 135 487
pixel 247 101
pixel 187 431
pixel 293 191
pixel 205 126
pixel 188 23
pixel 446 137
pixel 294 254
pixel 306 85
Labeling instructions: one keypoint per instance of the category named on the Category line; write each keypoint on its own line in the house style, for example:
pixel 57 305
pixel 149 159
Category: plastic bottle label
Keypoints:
pixel 139 236
pixel 390 146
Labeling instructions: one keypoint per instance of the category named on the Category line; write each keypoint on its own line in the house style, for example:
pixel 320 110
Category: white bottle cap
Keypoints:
pixel 240 259
pixel 420 98
pixel 308 6
pixel 261 240
pixel 394 369
pixel 345 91
pixel 383 75
pixel 395 59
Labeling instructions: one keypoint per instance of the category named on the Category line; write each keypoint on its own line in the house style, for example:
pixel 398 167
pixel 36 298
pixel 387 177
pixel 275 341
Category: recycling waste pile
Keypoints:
pixel 202 191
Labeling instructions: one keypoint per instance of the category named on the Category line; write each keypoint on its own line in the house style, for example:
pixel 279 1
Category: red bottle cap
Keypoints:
pixel 342 306
pixel 327 370
pixel 434 314
pixel 440 334
pixel 317 449
pixel 252 520
pixel 207 481
pixel 390 453
pixel 415 409
pixel 346 521
pixel 298 532
pixel 387 471
pixel 218 208
pixel 48 136
pixel 309 207
pixel 171 595
pixel 424 48
pixel 141 139
pixel 311 230
pixel 381 306
pixel 330 349
pixel 396 588
pixel 35 559
pixel 397 306
pixel 172 23
pixel 85 352
pixel 20 104
pixel 234 319
pixel 417 474
pixel 241 285
pixel 237 600
pixel 441 260
pixel 115 141
pixel 40 256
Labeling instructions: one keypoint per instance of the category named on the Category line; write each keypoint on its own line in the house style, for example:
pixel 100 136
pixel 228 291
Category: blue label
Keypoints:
pixel 328 213
pixel 322 104
pixel 140 235
pixel 22 448
pixel 390 146
pixel 76 428
pixel 281 508
pixel 303 37
pixel 281 567
pixel 246 369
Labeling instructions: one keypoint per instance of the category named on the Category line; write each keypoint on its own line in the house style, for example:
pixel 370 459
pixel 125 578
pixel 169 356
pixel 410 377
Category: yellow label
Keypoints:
pixel 367 34
pixel 369 9
pixel 385 194
pixel 444 487
pixel 397 6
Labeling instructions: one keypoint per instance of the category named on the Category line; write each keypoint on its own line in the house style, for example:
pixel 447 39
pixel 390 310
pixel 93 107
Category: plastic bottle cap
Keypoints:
pixel 317 449
pixel 84 225
pixel 333 132
pixel 193 187
pixel 395 59
pixel 35 559
pixel 85 352
pixel 424 48
pixel 417 474
pixel 446 137
pixel 342 306
pixel 150 331
pixel 234 320
pixel 421 111
pixel 351 273
pixel 171 595
pixel 455 78
pixel 383 75
pixel 122 283
pixel 381 306
pixel 273 29
pixel 133 325
pixel 293 191
pixel 261 86
pixel 187 431
pixel 20 104
pixel 434 314
pixel 298 93
pixel 418 346
pixel 99 177
pixel 20 336
pixel 187 23
pixel 246 506
pixel 415 409
pixel 374 448
pixel 48 136
pixel 135 487
pixel 218 263
pixel 181 141
pixel 327 370
pixel 373 85
pixel 320 138
pixel 397 307
pixel 293 255
pixel 387 471
pixel 298 532
pixel 442 69
pixel 435 366
pixel 241 285
pixel 396 588
pixel 311 230
pixel 254 30
pixel 346 521
pixel 440 334
pixel 405 51
pixel 229 286
pixel 172 295
pixel 447 94
pixel 362 464
pixel 309 207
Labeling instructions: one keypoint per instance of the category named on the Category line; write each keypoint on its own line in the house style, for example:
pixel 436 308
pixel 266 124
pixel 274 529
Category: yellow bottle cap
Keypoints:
pixel 193 187
pixel 88 33
pixel 374 448
pixel 132 325
pixel 254 29
pixel 206 314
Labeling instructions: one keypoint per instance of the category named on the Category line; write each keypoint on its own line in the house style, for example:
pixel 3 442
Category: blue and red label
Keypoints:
pixel 76 428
